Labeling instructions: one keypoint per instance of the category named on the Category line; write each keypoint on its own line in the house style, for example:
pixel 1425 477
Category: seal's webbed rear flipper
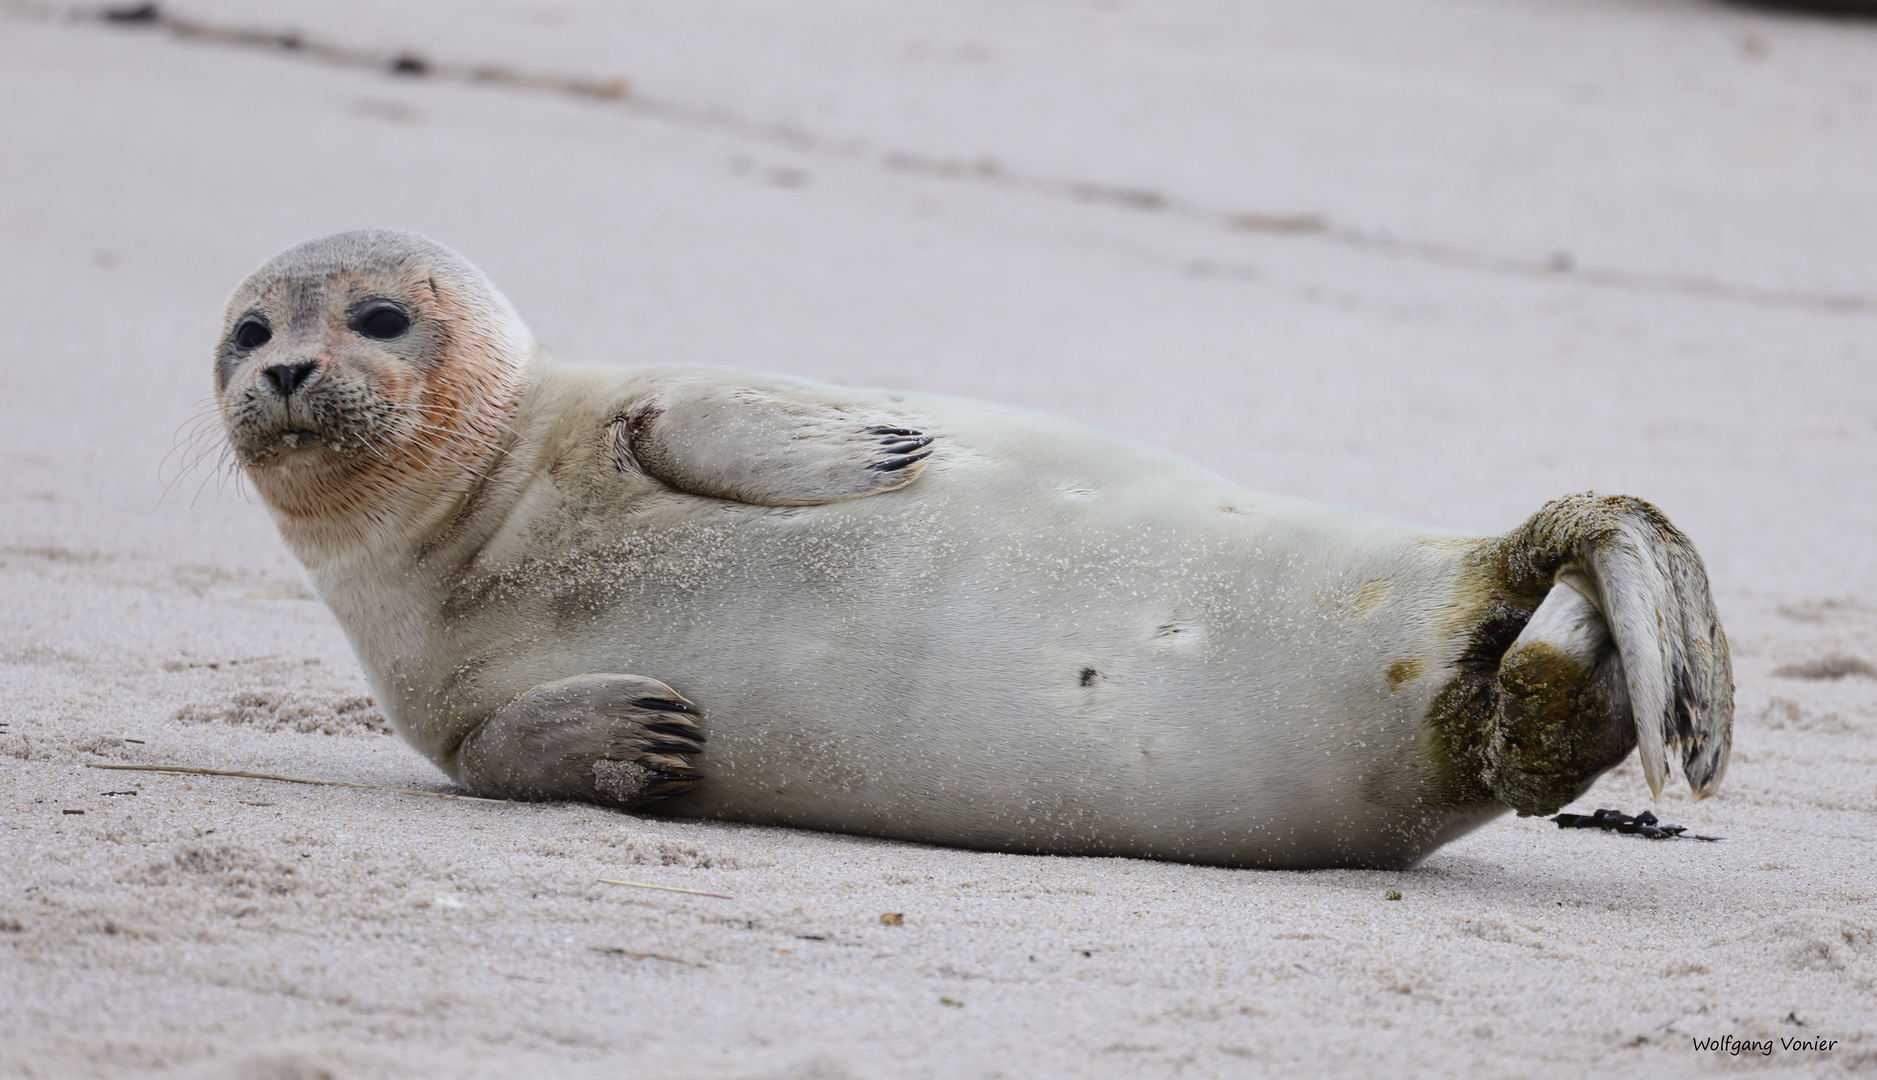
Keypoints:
pixel 621 740
pixel 760 447
pixel 1625 645
pixel 1562 715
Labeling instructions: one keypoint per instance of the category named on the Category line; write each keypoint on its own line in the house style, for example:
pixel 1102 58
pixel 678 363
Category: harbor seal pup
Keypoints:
pixel 755 599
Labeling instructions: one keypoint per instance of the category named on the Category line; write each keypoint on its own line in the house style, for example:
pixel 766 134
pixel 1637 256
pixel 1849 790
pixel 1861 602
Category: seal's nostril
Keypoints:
pixel 288 377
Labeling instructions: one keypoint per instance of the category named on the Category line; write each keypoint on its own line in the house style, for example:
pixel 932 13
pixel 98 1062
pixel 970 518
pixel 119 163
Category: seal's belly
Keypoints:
pixel 1044 644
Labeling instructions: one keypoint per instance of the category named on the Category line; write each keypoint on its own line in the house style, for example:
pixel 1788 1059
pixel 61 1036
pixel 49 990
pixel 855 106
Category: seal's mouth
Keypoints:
pixel 288 440
pixel 291 438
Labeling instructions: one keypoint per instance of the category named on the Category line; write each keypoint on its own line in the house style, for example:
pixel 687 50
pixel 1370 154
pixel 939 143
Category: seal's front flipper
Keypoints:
pixel 615 739
pixel 757 447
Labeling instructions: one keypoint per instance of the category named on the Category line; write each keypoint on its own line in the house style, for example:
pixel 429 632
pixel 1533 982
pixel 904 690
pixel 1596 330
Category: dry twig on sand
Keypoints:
pixel 193 770
pixel 614 951
pixel 663 888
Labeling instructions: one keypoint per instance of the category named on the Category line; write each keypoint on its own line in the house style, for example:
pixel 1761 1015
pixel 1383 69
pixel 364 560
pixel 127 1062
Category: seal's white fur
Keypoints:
pixel 1055 639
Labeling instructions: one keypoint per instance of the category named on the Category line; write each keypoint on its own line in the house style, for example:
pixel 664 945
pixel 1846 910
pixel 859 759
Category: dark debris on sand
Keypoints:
pixel 1643 824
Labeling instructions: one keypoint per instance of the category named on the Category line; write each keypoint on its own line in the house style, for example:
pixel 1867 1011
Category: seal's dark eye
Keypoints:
pixel 252 334
pixel 384 323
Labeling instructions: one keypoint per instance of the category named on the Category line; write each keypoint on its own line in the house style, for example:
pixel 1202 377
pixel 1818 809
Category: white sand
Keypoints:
pixel 1021 202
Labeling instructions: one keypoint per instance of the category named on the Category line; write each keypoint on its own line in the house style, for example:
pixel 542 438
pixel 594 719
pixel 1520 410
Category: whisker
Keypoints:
pixel 195 442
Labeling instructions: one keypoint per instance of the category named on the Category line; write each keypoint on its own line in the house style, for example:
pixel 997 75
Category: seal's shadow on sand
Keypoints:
pixel 1864 11
pixel 1568 876
pixel 1576 871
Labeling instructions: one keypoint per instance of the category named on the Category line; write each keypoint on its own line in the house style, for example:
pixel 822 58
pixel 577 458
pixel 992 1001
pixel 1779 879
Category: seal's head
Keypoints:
pixel 364 377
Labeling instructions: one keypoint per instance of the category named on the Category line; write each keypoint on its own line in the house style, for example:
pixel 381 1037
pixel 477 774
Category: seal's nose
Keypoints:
pixel 288 377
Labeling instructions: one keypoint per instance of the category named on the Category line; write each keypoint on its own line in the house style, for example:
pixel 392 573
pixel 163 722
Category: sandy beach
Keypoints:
pixel 1442 259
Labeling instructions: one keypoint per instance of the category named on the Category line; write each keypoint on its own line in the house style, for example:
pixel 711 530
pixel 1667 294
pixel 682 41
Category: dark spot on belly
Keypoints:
pixel 1088 676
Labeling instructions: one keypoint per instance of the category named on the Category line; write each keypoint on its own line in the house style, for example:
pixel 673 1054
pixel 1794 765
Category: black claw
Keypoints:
pixel 659 704
pixel 904 446
pixel 673 748
pixel 896 464
pixel 667 784
pixel 892 431
pixel 679 732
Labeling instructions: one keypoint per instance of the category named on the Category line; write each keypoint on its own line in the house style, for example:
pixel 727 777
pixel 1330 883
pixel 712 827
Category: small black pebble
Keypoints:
pixel 407 64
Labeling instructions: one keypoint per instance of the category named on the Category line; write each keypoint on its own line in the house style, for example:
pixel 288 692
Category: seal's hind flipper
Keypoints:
pixel 1562 714
pixel 616 739
pixel 1644 578
pixel 757 447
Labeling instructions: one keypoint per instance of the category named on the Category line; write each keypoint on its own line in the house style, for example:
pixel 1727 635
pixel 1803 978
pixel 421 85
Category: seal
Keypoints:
pixel 728 596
